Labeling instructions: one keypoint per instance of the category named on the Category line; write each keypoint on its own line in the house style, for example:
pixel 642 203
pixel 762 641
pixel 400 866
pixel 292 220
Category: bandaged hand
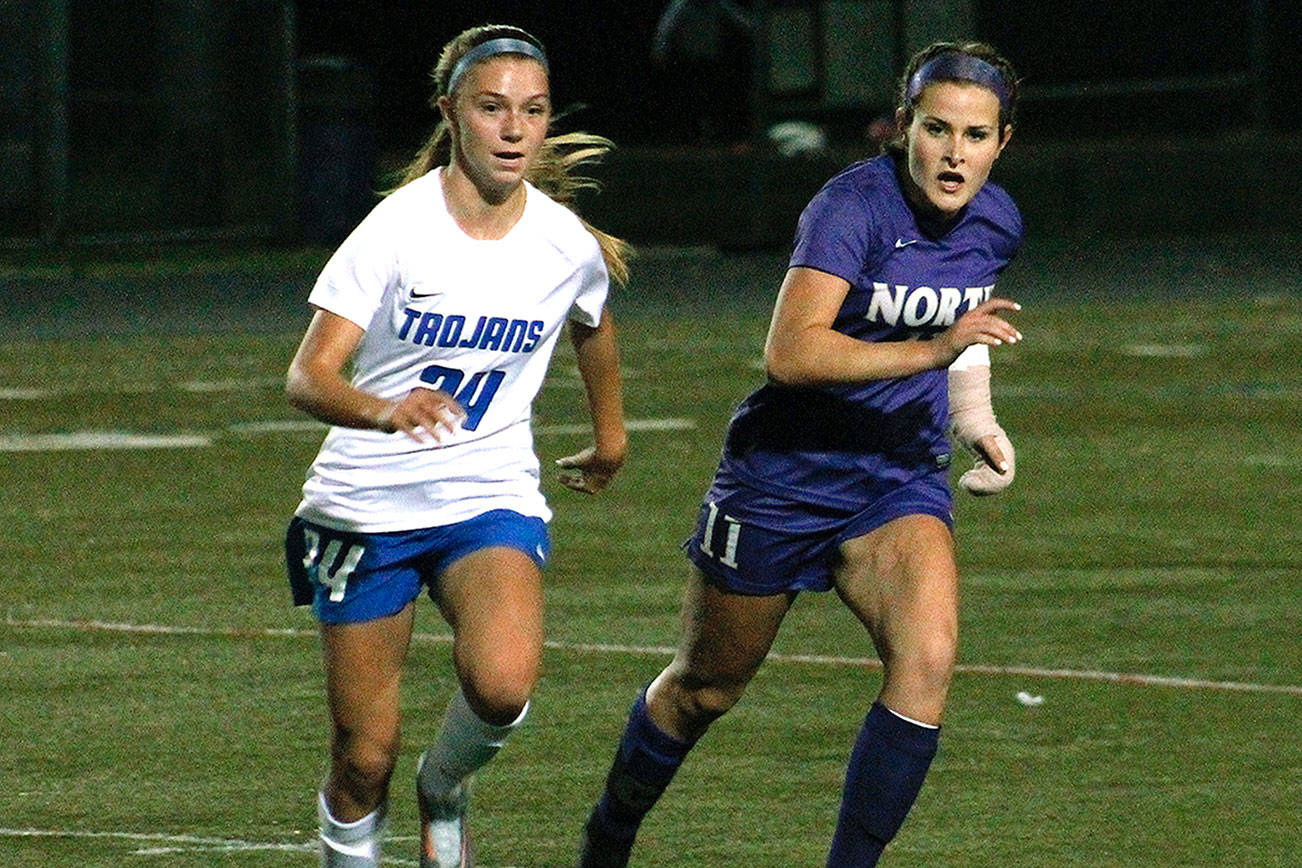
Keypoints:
pixel 972 424
pixel 992 451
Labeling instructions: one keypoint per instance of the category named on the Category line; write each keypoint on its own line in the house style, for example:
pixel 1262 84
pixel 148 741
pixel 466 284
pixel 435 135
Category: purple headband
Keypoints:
pixel 957 66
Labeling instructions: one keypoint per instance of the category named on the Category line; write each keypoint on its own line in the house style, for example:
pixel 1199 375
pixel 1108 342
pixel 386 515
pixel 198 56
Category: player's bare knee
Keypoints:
pixel 702 701
pixel 713 702
pixel 931 661
pixel 499 694
pixel 364 765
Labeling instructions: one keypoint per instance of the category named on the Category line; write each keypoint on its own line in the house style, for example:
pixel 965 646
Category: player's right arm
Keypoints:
pixel 316 385
pixel 803 349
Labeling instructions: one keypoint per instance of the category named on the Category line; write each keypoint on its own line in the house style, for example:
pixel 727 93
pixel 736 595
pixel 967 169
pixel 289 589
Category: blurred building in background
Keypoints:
pixel 146 117
pixel 276 119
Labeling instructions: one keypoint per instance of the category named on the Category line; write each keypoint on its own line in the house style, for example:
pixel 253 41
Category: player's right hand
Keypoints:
pixel 980 325
pixel 424 415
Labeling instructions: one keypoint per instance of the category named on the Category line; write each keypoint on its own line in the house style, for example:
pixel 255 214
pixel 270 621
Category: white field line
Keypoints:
pixel 163 844
pixel 1268 461
pixel 97 440
pixel 315 427
pixel 670 424
pixel 245 385
pixel 36 393
pixel 278 426
pixel 1164 351
pixel 24 393
pixel 1136 679
pixel 234 384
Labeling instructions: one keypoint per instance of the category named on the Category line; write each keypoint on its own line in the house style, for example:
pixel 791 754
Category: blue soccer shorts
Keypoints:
pixel 350 577
pixel 751 542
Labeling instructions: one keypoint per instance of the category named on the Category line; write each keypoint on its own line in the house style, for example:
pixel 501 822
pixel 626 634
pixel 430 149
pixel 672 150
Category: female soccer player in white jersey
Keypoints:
pixel 834 473
pixel 448 299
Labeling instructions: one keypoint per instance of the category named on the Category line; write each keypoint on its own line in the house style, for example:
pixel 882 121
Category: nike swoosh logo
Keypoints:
pixel 415 294
pixel 900 242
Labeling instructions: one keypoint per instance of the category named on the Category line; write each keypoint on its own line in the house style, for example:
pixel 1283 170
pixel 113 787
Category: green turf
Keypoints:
pixel 1153 529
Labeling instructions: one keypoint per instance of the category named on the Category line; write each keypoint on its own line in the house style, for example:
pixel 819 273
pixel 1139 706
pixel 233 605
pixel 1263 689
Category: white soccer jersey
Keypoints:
pixel 477 319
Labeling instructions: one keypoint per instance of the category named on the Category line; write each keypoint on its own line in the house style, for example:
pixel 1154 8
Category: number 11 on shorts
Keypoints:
pixel 729 556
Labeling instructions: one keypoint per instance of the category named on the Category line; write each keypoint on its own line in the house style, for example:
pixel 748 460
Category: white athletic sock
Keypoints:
pixel 350 845
pixel 464 744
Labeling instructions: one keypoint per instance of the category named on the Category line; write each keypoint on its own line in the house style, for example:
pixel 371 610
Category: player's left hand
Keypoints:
pixel 995 465
pixel 587 471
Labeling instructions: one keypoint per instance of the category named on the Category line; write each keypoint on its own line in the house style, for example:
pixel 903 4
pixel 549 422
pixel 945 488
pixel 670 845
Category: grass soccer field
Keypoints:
pixel 161 703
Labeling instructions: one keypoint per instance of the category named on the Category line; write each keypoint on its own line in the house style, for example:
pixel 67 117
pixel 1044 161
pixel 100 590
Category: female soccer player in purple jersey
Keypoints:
pixel 447 300
pixel 834 473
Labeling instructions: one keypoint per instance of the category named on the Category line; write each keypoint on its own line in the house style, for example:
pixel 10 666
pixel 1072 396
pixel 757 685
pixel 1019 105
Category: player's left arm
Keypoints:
pixel 598 356
pixel 973 425
pixel 972 421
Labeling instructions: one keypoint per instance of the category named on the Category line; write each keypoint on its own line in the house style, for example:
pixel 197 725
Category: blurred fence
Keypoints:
pixel 1137 116
pixel 201 118
pixel 819 57
pixel 146 118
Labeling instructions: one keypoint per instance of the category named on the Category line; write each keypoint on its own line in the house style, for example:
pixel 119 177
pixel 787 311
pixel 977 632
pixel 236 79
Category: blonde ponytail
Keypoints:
pixel 552 172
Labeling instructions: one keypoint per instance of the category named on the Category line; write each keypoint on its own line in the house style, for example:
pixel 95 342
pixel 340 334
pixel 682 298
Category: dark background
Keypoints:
pixel 601 57
pixel 123 120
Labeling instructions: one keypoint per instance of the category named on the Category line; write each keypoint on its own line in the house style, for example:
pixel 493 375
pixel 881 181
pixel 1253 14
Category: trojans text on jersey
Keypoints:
pixel 488 333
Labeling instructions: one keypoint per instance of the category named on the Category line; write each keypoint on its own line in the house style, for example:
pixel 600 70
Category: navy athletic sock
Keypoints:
pixel 644 765
pixel 889 761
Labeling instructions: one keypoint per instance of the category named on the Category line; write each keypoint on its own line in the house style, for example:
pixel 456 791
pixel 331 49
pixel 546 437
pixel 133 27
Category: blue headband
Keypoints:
pixel 504 45
pixel 956 66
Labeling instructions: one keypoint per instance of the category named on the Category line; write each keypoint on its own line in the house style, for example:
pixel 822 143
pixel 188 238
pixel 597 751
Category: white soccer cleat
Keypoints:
pixel 443 839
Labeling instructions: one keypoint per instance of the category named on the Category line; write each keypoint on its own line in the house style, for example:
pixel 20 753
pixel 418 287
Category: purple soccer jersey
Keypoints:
pixel 909 280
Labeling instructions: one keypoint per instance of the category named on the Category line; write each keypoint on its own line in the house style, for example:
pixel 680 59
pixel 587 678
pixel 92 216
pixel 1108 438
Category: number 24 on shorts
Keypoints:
pixel 318 564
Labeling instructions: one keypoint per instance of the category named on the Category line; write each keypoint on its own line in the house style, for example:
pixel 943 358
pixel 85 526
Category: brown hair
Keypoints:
pixel 552 169
pixel 981 51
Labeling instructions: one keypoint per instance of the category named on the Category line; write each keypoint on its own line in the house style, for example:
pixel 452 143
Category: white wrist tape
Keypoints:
pixel 971 417
pixel 975 356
